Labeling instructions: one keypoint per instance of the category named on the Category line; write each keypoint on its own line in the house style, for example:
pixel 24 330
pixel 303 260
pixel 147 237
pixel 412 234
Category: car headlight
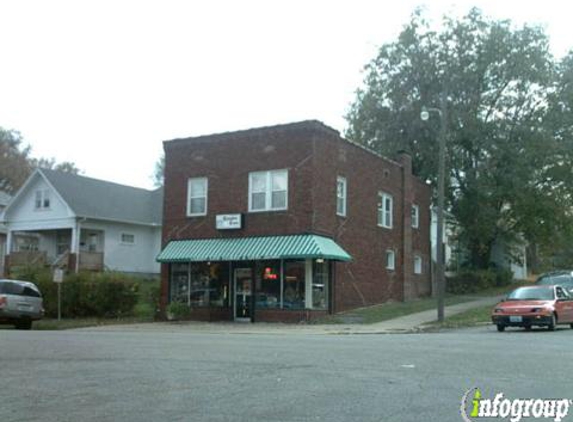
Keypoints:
pixel 497 310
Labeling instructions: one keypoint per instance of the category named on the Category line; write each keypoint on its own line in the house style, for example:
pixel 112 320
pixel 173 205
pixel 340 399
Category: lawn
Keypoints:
pixel 386 311
pixel 469 318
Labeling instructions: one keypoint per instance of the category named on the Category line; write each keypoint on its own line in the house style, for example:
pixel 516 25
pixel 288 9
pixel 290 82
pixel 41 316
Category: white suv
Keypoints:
pixel 20 303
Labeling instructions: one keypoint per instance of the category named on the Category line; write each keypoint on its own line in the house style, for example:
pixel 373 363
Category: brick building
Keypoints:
pixel 290 222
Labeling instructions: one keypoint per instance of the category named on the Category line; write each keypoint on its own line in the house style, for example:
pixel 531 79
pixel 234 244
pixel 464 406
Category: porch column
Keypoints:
pixel 8 242
pixel 75 245
pixel 308 284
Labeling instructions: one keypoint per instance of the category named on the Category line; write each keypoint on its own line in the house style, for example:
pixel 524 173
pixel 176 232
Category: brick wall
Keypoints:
pixel 314 155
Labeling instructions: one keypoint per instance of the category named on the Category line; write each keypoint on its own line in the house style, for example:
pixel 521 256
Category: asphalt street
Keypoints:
pixel 151 375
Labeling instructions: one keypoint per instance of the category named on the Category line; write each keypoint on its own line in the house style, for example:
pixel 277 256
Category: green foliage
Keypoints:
pixel 509 124
pixel 14 161
pixel 158 176
pixel 178 310
pixel 474 281
pixel 16 164
pixel 101 295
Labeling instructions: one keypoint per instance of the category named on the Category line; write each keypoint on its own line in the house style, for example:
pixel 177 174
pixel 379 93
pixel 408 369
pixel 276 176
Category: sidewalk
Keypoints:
pixel 407 324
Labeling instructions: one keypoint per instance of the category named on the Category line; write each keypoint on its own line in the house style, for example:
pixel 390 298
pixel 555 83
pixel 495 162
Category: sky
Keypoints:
pixel 103 83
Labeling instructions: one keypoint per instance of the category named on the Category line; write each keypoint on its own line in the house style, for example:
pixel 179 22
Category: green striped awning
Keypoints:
pixel 253 248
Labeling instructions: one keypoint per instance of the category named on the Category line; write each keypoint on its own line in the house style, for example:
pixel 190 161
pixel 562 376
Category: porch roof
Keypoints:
pixel 253 248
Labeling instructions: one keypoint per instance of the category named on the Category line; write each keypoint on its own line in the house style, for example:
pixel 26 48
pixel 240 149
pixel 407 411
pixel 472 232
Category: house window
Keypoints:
pixel 42 201
pixel 127 238
pixel 417 264
pixel 385 207
pixel 390 259
pixel 268 190
pixel 197 197
pixel 341 196
pixel 415 216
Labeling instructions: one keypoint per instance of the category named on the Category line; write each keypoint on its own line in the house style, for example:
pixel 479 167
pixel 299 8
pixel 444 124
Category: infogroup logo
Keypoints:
pixel 474 407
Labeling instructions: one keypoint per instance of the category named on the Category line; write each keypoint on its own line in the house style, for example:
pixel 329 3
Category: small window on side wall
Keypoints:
pixel 197 197
pixel 385 210
pixel 390 259
pixel 341 196
pixel 415 216
pixel 417 264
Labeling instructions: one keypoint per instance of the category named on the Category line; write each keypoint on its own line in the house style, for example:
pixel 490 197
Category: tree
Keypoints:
pixel 14 161
pixel 51 164
pixel 505 163
pixel 16 164
pixel 158 173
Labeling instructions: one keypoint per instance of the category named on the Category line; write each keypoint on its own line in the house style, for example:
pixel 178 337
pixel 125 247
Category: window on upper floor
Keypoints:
pixel 42 201
pixel 341 196
pixel 197 196
pixel 268 190
pixel 417 264
pixel 385 210
pixel 390 259
pixel 415 216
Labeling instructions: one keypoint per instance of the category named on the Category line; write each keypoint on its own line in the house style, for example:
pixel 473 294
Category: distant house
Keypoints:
pixel 78 223
pixel 4 199
pixel 511 257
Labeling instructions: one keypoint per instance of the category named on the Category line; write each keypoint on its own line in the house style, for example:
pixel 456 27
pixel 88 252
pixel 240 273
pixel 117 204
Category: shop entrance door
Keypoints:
pixel 243 288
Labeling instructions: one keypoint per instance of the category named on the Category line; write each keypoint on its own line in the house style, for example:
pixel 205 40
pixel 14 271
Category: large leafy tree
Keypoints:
pixel 16 164
pixel 507 168
pixel 14 161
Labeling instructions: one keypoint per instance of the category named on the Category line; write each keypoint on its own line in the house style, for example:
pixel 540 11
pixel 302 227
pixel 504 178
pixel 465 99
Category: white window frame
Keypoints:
pixel 341 212
pixel 415 216
pixel 385 217
pixel 390 259
pixel 42 195
pixel 189 197
pixel 123 242
pixel 418 267
pixel 268 190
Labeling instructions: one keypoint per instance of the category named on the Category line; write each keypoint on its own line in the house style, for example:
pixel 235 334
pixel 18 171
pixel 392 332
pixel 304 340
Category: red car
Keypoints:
pixel 534 305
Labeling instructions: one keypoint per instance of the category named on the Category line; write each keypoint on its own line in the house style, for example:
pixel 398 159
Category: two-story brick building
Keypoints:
pixel 290 222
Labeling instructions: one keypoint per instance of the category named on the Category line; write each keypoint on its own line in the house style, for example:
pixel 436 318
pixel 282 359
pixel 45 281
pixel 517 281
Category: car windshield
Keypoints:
pixel 532 293
pixel 562 279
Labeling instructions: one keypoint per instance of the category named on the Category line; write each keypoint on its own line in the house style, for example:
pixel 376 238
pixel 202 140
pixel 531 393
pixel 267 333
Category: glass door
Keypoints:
pixel 243 288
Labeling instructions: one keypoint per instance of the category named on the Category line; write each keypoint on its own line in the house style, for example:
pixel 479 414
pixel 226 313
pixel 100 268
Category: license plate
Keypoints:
pixel 515 319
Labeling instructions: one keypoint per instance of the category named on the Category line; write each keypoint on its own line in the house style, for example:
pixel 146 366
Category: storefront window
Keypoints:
pixel 268 279
pixel 219 287
pixel 179 283
pixel 320 285
pixel 199 293
pixel 293 286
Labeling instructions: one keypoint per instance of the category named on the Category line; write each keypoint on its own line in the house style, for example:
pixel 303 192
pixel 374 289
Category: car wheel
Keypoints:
pixel 552 324
pixel 500 328
pixel 24 325
pixel 571 325
pixel 527 327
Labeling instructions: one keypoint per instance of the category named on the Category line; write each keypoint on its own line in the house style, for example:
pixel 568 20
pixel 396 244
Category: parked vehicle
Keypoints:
pixel 561 278
pixel 20 303
pixel 534 305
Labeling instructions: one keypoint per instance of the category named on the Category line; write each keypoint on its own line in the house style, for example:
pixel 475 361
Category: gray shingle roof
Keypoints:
pixel 99 199
pixel 4 199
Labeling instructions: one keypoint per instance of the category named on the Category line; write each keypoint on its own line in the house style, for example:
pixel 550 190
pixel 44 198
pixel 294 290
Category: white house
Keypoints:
pixel 75 222
pixel 4 199
pixel 513 258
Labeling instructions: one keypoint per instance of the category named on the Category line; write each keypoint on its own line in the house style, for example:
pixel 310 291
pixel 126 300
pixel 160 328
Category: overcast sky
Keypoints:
pixel 103 83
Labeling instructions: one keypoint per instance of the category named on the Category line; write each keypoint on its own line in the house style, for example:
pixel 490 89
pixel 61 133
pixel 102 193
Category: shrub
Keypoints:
pixel 177 310
pixel 107 294
pixel 473 281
